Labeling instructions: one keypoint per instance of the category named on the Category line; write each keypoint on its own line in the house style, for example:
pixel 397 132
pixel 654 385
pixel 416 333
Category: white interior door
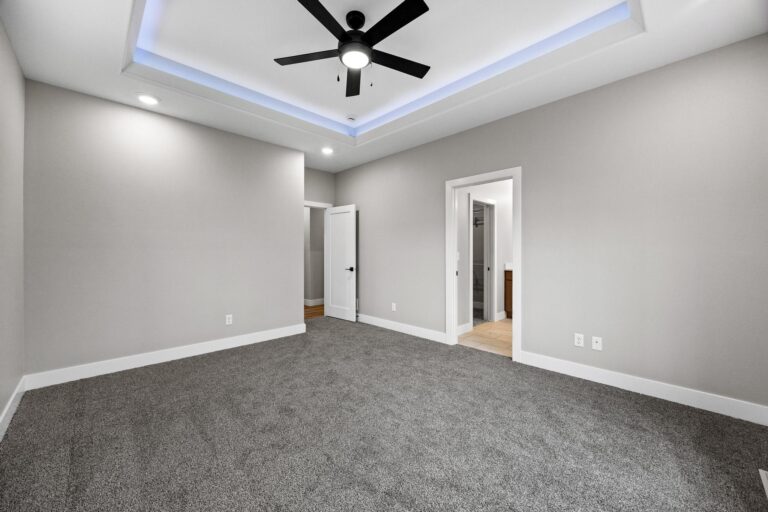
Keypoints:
pixel 341 263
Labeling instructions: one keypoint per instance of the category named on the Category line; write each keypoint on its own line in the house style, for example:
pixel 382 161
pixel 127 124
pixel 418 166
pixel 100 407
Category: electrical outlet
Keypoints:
pixel 394 306
pixel 578 339
pixel 597 343
pixel 228 319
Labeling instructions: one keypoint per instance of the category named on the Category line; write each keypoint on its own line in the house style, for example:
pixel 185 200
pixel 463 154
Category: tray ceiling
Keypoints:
pixel 237 40
pixel 212 62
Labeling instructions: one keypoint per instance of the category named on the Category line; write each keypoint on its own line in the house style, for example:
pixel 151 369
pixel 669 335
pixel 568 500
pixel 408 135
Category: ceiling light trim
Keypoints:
pixel 151 13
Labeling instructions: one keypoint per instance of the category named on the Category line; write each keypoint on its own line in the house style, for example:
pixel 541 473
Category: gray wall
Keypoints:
pixel 319 186
pixel 644 221
pixel 11 220
pixel 143 231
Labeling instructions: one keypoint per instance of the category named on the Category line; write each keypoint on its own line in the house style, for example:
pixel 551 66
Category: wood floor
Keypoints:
pixel 493 337
pixel 313 311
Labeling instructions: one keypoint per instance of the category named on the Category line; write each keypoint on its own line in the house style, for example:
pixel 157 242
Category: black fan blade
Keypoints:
pixel 353 82
pixel 307 57
pixel 400 16
pixel 323 16
pixel 400 64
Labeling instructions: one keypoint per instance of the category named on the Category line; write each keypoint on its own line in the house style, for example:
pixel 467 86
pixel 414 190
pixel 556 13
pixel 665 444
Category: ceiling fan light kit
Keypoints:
pixel 355 55
pixel 355 49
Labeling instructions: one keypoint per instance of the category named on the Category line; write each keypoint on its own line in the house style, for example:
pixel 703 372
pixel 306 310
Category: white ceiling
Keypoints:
pixel 238 39
pixel 84 45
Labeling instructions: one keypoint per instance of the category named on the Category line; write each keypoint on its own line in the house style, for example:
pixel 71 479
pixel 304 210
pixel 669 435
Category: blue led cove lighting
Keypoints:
pixel 152 14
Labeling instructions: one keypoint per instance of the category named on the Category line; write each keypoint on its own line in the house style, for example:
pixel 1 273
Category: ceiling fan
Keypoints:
pixel 356 47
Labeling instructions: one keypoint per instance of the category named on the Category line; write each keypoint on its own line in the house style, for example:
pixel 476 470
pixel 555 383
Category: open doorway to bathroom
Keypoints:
pixel 483 262
pixel 485 221
pixel 314 278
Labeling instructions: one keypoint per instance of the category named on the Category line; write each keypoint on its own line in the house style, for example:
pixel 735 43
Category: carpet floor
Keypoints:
pixel 354 417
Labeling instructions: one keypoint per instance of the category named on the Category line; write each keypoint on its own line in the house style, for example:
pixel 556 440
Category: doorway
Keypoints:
pixel 484 262
pixel 481 239
pixel 314 248
pixel 330 261
pixel 484 326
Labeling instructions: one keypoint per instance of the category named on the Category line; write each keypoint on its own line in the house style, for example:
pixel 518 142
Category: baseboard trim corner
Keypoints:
pixel 84 371
pixel 464 329
pixel 10 407
pixel 501 315
pixel 711 402
pixel 419 332
pixel 314 302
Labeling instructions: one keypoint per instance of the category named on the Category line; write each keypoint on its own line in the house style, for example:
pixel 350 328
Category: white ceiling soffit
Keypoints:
pixel 90 46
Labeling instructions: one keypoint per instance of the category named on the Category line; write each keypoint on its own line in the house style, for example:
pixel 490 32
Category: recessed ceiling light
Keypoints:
pixel 327 151
pixel 148 100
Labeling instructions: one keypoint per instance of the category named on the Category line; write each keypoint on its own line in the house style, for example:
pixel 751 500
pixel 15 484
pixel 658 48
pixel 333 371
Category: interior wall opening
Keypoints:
pixel 484 261
pixel 314 270
pixel 484 236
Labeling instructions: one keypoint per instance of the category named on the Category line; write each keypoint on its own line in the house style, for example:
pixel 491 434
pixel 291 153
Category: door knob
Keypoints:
pixel 351 269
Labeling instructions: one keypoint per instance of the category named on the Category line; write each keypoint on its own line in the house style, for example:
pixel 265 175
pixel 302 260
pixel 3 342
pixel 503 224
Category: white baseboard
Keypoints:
pixel 313 302
pixel 464 329
pixel 10 408
pixel 500 315
pixel 84 371
pixel 733 407
pixel 419 332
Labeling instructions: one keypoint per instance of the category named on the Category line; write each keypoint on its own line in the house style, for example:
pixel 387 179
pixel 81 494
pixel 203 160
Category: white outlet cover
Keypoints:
pixel 578 339
pixel 597 343
pixel 394 306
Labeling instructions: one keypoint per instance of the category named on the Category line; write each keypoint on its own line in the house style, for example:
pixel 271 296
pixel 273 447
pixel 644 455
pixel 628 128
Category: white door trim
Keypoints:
pixel 451 252
pixel 315 204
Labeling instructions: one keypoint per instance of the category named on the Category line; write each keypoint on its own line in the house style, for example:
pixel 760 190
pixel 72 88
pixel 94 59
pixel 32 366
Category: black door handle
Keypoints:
pixel 351 269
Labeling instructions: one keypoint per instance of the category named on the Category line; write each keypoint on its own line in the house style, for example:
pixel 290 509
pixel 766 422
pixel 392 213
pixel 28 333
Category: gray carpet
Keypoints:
pixel 353 417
